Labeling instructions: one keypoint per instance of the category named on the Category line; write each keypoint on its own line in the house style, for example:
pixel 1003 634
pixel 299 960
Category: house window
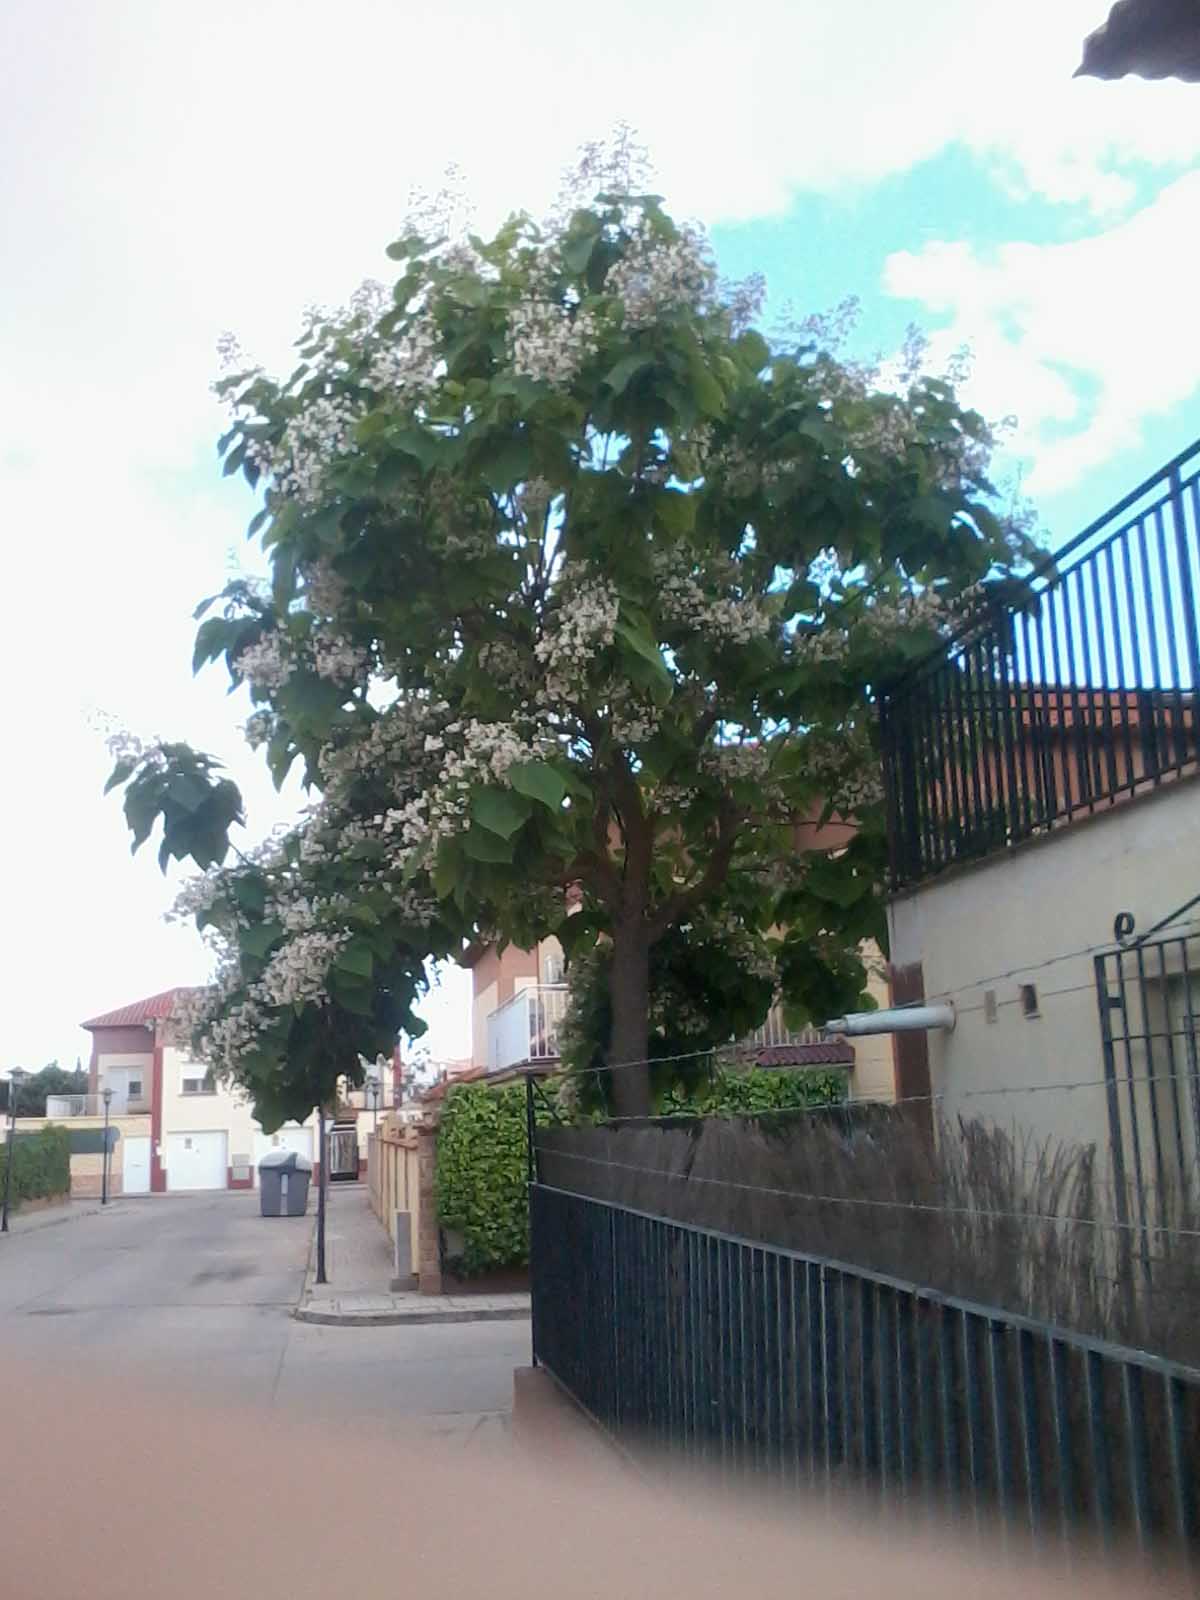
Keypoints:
pixel 133 1089
pixel 196 1085
pixel 556 971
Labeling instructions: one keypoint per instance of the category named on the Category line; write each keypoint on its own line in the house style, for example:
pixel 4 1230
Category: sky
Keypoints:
pixel 171 171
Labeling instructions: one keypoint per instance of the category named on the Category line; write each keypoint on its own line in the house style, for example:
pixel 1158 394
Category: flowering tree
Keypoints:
pixel 579 580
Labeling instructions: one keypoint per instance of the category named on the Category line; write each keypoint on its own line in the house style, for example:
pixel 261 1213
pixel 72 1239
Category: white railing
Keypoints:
pixel 524 1030
pixel 775 1031
pixel 62 1107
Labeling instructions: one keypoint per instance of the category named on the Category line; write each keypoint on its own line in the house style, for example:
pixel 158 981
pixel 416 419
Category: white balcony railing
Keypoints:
pixel 524 1030
pixel 775 1031
pixel 62 1107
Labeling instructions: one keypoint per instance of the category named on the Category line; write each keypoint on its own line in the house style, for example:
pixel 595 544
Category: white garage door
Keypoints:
pixel 298 1139
pixel 197 1161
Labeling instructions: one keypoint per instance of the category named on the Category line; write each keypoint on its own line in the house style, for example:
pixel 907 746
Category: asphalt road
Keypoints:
pixel 190 1296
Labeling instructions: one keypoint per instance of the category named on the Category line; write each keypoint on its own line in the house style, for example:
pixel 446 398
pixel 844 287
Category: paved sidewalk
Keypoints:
pixel 358 1263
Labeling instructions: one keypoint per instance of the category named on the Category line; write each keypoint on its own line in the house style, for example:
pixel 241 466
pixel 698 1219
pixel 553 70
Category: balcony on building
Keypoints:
pixel 1073 694
pixel 524 1033
pixel 70 1107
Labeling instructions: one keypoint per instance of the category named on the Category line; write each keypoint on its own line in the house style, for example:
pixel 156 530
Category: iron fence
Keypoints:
pixel 763 1361
pixel 1080 696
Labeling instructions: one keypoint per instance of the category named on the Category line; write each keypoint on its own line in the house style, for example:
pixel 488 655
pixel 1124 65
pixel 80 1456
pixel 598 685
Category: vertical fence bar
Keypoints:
pixel 868 1416
pixel 1183 1488
pixel 973 1384
pixel 1031 1430
pixel 1119 682
pixel 1001 1419
pixel 948 1376
pixel 1064 1442
pixel 1176 684
pixel 1102 1495
pixel 1139 1453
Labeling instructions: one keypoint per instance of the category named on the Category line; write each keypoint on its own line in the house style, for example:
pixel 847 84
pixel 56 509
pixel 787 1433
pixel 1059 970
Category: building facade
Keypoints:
pixel 1045 833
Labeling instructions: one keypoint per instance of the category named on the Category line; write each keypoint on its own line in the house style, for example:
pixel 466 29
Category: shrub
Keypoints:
pixel 481 1176
pixel 41 1164
pixel 729 1093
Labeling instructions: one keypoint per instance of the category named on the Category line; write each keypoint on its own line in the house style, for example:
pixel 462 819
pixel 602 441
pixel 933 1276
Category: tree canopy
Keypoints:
pixel 577 578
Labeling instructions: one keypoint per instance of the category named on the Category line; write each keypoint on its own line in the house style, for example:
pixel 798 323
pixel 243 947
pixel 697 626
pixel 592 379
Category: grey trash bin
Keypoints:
pixel 283 1179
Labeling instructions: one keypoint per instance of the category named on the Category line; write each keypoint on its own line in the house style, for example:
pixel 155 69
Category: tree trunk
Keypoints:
pixel 629 1042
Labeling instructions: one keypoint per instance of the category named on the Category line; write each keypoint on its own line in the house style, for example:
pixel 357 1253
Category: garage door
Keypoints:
pixel 298 1139
pixel 197 1161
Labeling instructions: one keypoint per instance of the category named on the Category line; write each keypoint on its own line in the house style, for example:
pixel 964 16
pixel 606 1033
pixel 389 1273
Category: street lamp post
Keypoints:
pixel 14 1085
pixel 106 1096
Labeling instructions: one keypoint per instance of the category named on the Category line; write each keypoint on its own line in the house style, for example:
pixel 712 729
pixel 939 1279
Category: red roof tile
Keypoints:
pixel 140 1012
pixel 832 1053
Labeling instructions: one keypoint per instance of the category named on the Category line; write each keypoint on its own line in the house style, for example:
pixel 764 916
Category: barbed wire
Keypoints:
pixel 992 1092
pixel 911 1206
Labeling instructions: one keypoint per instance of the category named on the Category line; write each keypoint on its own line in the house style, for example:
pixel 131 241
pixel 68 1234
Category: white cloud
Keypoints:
pixel 1086 342
pixel 167 171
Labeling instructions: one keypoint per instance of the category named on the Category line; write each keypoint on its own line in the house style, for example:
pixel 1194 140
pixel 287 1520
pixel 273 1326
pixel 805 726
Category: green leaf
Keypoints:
pixel 623 374
pixel 356 958
pixel 501 811
pixel 123 771
pixel 481 845
pixel 644 663
pixel 257 939
pixel 676 511
pixel 539 781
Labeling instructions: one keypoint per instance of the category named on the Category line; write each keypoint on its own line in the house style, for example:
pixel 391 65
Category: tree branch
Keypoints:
pixel 684 900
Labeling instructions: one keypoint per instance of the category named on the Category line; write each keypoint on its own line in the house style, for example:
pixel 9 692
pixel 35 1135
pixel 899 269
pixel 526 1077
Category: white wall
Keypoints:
pixel 1029 917
pixel 226 1109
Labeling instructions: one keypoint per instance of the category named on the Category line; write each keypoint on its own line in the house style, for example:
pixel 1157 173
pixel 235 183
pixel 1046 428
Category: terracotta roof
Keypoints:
pixel 139 1013
pixel 830 1053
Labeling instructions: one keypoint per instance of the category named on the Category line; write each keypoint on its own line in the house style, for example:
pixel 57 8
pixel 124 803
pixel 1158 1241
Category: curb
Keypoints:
pixel 56 1221
pixel 399 1319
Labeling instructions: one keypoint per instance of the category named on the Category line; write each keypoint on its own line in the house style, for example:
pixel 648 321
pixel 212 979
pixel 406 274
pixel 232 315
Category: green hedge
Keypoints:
pixel 731 1094
pixel 41 1164
pixel 481 1176
pixel 482 1162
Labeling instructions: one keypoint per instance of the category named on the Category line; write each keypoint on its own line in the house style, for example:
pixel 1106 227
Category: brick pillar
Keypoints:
pixel 428 1263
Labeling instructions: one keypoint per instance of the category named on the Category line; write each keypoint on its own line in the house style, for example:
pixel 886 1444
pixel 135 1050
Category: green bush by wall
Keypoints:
pixel 481 1176
pixel 482 1160
pixel 41 1164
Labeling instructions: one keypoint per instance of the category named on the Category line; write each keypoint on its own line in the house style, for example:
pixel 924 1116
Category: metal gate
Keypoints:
pixel 1149 998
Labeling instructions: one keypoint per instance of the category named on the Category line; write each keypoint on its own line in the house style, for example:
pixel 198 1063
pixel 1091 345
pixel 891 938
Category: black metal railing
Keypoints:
pixel 766 1362
pixel 1080 695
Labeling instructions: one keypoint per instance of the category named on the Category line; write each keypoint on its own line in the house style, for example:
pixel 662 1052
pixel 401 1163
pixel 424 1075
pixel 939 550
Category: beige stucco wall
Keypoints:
pixel 873 1077
pixel 998 924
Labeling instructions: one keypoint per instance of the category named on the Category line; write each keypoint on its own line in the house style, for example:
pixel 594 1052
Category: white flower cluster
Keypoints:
pixel 298 971
pixel 550 342
pixel 339 660
pixel 125 746
pixel 195 895
pixel 509 667
pixel 472 754
pixel 410 363
pixel 267 664
pixel 257 729
pixel 582 623
pixel 657 276
pixel 313 439
pixel 632 724
pixel 725 619
pixel 734 763
pixel 743 300
pixel 324 590
pixel 889 432
pixel 746 948
pixel 886 618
